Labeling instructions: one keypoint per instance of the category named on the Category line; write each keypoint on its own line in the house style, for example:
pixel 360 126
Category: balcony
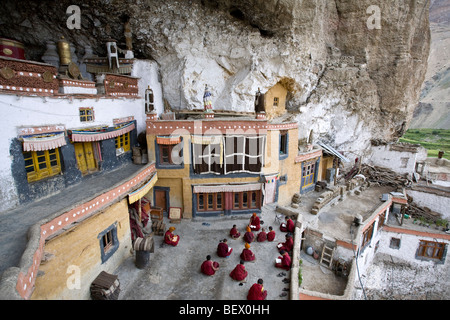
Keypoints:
pixel 24 230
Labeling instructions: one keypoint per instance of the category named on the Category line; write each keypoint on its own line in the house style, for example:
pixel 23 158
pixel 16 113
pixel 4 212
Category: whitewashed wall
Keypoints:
pixel 148 73
pixel 397 161
pixel 27 111
pixel 440 204
pixel 396 273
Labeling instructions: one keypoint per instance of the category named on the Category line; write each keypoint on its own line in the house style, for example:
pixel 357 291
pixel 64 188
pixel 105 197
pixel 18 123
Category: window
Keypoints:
pixel 246 200
pixel 165 155
pixel 308 172
pixel 381 219
pixel 276 100
pixel 367 235
pixel 86 114
pixel 244 154
pixel 395 243
pixel 108 242
pixel 169 152
pixel 283 143
pixel 42 164
pixel 431 250
pixel 122 143
pixel 207 158
pixel 209 202
pixel 404 162
pixel 149 104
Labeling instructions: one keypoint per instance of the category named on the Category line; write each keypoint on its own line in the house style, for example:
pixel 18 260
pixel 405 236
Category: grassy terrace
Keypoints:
pixel 434 140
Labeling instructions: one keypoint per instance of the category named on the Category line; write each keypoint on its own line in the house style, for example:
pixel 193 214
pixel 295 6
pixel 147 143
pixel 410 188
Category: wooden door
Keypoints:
pixel 85 157
pixel 270 189
pixel 160 199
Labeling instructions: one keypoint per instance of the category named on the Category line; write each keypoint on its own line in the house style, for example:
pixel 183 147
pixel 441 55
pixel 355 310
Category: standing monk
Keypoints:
pixel 249 236
pixel 255 223
pixel 170 238
pixel 223 250
pixel 257 291
pixel 239 273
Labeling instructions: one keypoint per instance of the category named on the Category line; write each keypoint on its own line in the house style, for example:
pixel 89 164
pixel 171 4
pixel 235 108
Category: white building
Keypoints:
pixel 51 140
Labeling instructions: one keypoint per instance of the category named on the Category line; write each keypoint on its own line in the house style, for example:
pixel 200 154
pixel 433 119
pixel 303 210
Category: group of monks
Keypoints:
pixel 239 273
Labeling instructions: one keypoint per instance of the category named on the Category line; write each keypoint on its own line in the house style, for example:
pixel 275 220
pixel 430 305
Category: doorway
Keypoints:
pixel 161 198
pixel 86 158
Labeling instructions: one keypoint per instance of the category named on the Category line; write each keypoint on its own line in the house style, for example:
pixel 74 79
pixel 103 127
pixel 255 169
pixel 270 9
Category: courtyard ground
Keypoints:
pixel 173 273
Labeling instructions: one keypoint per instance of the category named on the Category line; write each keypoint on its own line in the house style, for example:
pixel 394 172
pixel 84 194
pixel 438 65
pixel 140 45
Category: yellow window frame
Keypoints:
pixel 123 141
pixel 86 114
pixel 42 164
pixel 308 173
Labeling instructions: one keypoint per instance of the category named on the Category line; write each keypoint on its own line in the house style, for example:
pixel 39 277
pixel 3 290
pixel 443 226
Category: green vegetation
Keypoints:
pixel 434 140
pixel 300 276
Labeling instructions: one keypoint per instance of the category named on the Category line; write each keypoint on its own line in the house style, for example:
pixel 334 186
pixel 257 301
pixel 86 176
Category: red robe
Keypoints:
pixel 271 236
pixel 257 292
pixel 249 237
pixel 171 239
pixel 287 246
pixel 234 233
pixel 285 262
pixel 255 223
pixel 207 269
pixel 239 273
pixel 289 226
pixel 223 251
pixel 262 236
pixel 247 255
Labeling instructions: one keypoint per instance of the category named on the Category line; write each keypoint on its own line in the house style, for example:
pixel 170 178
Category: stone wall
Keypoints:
pixel 352 69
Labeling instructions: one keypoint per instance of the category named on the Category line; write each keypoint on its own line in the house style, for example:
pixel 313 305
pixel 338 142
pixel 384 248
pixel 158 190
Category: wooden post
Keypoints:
pixel 139 210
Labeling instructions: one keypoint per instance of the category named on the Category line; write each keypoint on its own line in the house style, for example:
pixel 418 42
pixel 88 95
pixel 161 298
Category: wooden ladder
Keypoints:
pixel 327 256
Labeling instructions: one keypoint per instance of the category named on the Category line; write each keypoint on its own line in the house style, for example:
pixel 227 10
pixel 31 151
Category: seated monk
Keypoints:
pixel 234 233
pixel 271 234
pixel 287 245
pixel 170 238
pixel 262 236
pixel 255 222
pixel 209 267
pixel 223 250
pixel 249 236
pixel 283 262
pixel 247 254
pixel 257 291
pixel 287 226
pixel 239 273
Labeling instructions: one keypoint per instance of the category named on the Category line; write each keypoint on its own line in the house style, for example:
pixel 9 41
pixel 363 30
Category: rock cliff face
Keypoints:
pixel 353 71
pixel 433 110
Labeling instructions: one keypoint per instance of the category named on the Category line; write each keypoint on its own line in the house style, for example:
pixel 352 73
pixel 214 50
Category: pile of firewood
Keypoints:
pixel 421 213
pixel 105 287
pixel 384 176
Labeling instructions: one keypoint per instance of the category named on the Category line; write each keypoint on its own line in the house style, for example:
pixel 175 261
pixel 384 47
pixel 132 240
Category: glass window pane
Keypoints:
pixel 210 201
pixel 236 200
pixel 200 201
pixel 253 199
pixel 219 201
pixel 245 200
